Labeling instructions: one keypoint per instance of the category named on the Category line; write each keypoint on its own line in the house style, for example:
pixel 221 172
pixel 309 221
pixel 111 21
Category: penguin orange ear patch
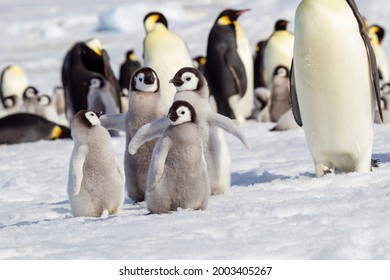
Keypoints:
pixel 56 132
pixel 225 20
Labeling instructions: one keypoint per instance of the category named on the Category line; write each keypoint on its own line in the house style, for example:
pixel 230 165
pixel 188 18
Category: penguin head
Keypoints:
pixel 385 89
pixel 281 71
pixel 44 100
pixel 153 18
pixel 130 55
pixel 188 78
pixel 376 32
pixel 30 93
pixel 10 101
pixel 145 80
pixel 86 118
pixel 260 46
pixel 181 112
pixel 96 82
pixel 95 45
pixel 281 24
pixel 200 60
pixel 228 17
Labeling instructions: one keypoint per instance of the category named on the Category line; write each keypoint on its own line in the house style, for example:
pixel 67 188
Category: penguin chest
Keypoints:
pixel 332 77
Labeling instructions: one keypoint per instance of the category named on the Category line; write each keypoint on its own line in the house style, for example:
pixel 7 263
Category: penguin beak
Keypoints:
pixel 176 81
pixel 149 80
pixel 172 116
pixel 98 113
pixel 240 12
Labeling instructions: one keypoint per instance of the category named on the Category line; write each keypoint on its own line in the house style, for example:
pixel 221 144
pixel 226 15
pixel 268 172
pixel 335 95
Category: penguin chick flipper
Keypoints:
pixel 294 98
pixel 228 125
pixel 237 69
pixel 76 170
pixel 157 162
pixel 120 170
pixel 114 121
pixel 147 132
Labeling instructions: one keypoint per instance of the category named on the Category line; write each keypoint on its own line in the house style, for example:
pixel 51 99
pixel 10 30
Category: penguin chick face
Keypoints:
pixel 281 71
pixel 281 25
pixel 152 18
pixel 10 101
pixel 145 80
pixel 30 92
pixel 96 83
pixel 228 17
pixel 44 100
pixel 188 78
pixel 181 112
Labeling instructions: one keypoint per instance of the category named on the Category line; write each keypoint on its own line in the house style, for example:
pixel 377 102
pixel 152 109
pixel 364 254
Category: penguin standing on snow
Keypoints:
pixel 99 97
pixel 258 67
pixel 128 67
pixel 177 176
pixel 331 97
pixel 192 87
pixel 96 179
pixel 82 62
pixel 10 105
pixel 45 107
pixel 278 50
pixel 13 81
pixel 164 52
pixel 30 100
pixel 145 106
pixel 229 66
pixel 280 94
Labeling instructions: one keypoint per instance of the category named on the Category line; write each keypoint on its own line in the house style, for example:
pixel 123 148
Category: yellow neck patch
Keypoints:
pixel 225 20
pixel 132 57
pixel 150 22
pixel 56 132
pixel 96 46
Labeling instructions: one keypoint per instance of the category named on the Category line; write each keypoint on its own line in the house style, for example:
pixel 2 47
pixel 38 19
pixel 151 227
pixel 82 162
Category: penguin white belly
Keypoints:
pixel 242 106
pixel 334 88
pixel 166 54
pixel 14 82
pixel 278 51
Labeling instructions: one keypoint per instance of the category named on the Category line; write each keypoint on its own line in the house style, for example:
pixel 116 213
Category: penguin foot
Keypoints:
pixel 375 162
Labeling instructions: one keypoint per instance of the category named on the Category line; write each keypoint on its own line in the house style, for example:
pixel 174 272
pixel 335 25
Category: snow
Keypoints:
pixel 276 208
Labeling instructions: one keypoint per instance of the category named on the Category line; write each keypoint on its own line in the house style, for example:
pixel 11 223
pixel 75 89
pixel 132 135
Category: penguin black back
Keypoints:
pixel 24 127
pixel 128 67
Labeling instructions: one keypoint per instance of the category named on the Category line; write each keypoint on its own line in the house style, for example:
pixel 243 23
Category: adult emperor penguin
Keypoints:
pixel 164 52
pixel 192 87
pixel 258 65
pixel 331 97
pixel 280 94
pixel 24 127
pixel 229 66
pixel 128 67
pixel 278 50
pixel 377 34
pixel 145 106
pixel 13 81
pixel 82 62
pixel 96 179
pixel 177 176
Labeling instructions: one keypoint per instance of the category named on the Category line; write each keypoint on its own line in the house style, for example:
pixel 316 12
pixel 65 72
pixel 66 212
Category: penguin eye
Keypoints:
pixel 182 112
pixel 188 79
pixel 140 79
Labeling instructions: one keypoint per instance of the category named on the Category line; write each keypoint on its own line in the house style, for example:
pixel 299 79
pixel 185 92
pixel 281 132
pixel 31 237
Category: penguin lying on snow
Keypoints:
pixel 96 179
pixel 177 176
pixel 25 127
pixel 192 87
pixel 334 104
pixel 145 106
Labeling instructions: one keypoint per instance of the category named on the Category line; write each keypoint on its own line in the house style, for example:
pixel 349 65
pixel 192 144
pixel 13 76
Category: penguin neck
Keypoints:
pixel 159 28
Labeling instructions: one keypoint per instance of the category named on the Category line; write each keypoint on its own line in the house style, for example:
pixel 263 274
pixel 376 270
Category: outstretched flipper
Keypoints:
pixel 76 170
pixel 114 121
pixel 148 132
pixel 157 162
pixel 228 125
pixel 294 97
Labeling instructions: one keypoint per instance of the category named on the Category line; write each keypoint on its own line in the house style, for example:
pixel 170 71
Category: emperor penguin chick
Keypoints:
pixel 96 179
pixel 46 108
pixel 30 100
pixel 99 96
pixel 192 87
pixel 145 105
pixel 177 176
pixel 280 95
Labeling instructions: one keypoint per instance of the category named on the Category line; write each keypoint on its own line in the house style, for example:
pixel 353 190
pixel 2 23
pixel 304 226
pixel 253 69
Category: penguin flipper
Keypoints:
pixel 237 69
pixel 108 102
pixel 114 121
pixel 228 125
pixel 157 163
pixel 294 98
pixel 120 170
pixel 76 169
pixel 147 132
pixel 370 53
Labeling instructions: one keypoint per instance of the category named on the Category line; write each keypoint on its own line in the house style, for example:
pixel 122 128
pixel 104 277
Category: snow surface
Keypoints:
pixel 276 208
